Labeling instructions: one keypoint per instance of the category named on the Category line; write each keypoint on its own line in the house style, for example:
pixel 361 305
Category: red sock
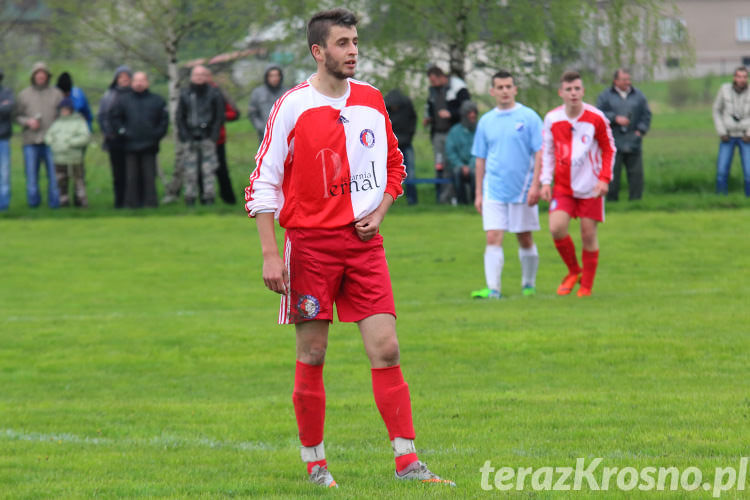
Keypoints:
pixel 590 261
pixel 392 399
pixel 310 465
pixel 567 250
pixel 309 399
pixel 404 461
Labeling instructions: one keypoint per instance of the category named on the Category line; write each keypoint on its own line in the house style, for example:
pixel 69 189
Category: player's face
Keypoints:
pixel 571 92
pixel 740 79
pixel 340 53
pixel 504 91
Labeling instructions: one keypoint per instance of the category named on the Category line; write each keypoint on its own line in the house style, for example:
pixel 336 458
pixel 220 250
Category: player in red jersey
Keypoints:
pixel 329 168
pixel 578 152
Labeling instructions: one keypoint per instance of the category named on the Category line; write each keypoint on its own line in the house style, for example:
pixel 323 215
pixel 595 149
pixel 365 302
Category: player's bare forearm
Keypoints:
pixel 367 227
pixel 479 183
pixel 275 275
pixel 534 192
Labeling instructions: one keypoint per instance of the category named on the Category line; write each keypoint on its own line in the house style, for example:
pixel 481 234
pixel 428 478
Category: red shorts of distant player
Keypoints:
pixel 328 266
pixel 590 208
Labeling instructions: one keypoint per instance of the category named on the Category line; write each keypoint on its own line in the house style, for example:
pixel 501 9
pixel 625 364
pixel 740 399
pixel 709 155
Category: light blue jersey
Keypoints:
pixel 507 140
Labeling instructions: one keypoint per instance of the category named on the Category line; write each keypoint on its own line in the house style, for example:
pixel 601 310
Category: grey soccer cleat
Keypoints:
pixel 418 471
pixel 322 477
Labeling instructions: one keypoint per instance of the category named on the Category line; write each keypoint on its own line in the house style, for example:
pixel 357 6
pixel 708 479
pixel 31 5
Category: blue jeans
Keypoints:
pixel 4 174
pixel 724 163
pixel 411 173
pixel 33 155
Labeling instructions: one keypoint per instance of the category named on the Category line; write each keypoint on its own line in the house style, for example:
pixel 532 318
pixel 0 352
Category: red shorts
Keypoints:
pixel 328 266
pixel 589 208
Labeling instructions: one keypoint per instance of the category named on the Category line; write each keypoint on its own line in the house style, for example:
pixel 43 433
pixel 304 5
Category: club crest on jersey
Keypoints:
pixel 584 139
pixel 519 126
pixel 308 306
pixel 367 138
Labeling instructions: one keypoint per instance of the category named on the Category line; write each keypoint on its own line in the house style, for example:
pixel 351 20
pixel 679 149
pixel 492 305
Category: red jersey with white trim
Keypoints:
pixel 325 162
pixel 577 153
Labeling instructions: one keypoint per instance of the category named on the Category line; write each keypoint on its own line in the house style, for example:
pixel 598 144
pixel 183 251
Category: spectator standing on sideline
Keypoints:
pixel 231 113
pixel 36 109
pixel 629 116
pixel 68 137
pixel 113 143
pixel 263 97
pixel 331 190
pixel 578 152
pixel 200 116
pixel 404 122
pixel 458 155
pixel 80 103
pixel 140 119
pixel 6 130
pixel 732 121
pixel 442 111
pixel 507 146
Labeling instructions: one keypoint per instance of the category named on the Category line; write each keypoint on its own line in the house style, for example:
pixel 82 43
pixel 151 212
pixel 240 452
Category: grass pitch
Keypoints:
pixel 139 357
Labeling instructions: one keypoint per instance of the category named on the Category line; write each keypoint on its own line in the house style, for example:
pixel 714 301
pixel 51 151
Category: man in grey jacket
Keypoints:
pixel 263 97
pixel 627 110
pixel 36 109
pixel 6 129
pixel 732 121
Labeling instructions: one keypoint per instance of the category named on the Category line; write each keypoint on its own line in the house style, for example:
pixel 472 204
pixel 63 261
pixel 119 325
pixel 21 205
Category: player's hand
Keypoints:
pixel 746 138
pixel 478 202
pixel 275 274
pixel 601 189
pixel 546 193
pixel 724 138
pixel 368 226
pixel 533 196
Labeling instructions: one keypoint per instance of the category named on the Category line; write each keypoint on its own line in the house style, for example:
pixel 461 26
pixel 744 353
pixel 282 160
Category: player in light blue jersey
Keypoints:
pixel 507 146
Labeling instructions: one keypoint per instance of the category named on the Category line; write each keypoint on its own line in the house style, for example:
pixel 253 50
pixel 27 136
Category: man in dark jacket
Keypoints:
pixel 140 118
pixel 442 111
pixel 112 142
pixel 404 122
pixel 6 129
pixel 200 116
pixel 630 118
pixel 263 97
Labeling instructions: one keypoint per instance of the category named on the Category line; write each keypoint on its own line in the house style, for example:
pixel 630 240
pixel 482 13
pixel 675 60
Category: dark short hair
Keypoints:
pixel 742 69
pixel 620 70
pixel 570 76
pixel 435 71
pixel 503 74
pixel 319 26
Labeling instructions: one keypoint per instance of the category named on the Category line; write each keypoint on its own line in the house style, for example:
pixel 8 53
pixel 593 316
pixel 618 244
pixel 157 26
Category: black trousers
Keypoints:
pixel 117 162
pixel 140 183
pixel 633 162
pixel 222 175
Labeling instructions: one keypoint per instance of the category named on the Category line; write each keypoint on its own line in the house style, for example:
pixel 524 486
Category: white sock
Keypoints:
pixel 312 453
pixel 494 258
pixel 402 446
pixel 529 264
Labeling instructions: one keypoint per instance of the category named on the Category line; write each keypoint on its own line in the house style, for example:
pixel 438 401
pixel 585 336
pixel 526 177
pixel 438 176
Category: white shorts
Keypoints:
pixel 510 217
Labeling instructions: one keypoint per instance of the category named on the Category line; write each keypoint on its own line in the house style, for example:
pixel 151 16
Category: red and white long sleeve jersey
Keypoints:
pixel 577 153
pixel 325 162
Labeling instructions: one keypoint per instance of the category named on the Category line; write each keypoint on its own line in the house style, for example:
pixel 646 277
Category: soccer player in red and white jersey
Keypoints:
pixel 578 152
pixel 329 168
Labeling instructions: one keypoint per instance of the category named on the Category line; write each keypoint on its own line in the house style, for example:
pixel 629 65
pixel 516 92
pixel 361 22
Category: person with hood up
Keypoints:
pixel 460 161
pixel 112 142
pixel 263 97
pixel 36 109
pixel 140 119
pixel 6 129
pixel 68 137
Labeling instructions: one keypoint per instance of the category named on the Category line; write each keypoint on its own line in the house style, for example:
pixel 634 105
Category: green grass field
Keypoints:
pixel 139 357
